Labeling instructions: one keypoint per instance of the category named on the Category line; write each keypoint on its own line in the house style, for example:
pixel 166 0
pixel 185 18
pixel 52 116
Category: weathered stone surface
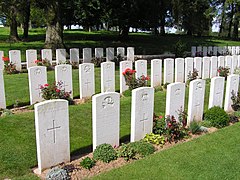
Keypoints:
pixel 47 55
pixel 87 55
pixel 15 58
pixel 179 70
pixel 216 92
pixel 141 68
pixel 168 70
pixel 2 91
pixel 108 77
pixel 60 56
pixel 156 72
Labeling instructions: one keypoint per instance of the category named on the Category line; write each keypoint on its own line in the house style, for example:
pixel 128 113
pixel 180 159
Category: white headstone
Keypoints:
pixel 109 54
pixel 221 61
pixel 123 66
pixel 213 66
pixel 224 50
pixel 156 72
pixel 188 67
pixel 199 50
pixel 60 56
pixel 121 51
pixel 198 66
pixel 31 57
pixel 215 51
pixel 106 118
pixel 233 50
pixel 63 77
pixel 196 100
pixel 237 50
pixel 175 99
pixel 141 68
pixel 216 92
pixel 107 77
pixel 228 63
pixel 206 68
pixel 193 50
pixel 37 76
pixel 234 63
pixel 239 61
pixel 2 91
pixel 220 50
pixel 15 58
pixel 1 60
pixel 130 53
pixel 205 51
pixel 179 70
pixel 87 55
pixel 98 52
pixel 232 87
pixel 74 55
pixel 168 70
pixel 210 51
pixel 142 112
pixel 52 133
pixel 229 49
pixel 47 55
pixel 87 80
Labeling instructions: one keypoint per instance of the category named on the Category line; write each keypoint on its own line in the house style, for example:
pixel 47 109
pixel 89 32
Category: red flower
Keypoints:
pixel 143 77
pixel 37 61
pixel 41 87
pixel 160 117
pixel 147 78
pixel 57 90
pixel 5 58
pixel 124 73
pixel 169 124
pixel 46 85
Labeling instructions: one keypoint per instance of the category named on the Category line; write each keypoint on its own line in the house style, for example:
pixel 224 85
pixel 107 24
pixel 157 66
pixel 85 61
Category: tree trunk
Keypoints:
pixel 26 20
pixel 231 21
pixel 236 23
pixel 13 36
pixel 162 24
pixel 124 32
pixel 222 19
pixel 54 32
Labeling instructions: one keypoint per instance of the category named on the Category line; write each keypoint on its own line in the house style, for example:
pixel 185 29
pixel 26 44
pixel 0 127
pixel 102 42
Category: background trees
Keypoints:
pixel 194 17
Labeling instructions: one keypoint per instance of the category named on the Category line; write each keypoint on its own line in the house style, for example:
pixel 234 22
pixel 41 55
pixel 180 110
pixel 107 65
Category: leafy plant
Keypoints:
pixel 131 81
pixel 57 173
pixel 235 101
pixel 87 163
pixel 97 61
pixel 142 148
pixel 192 75
pixel 205 124
pixel 233 119
pixel 9 67
pixel 237 113
pixel 223 71
pixel 5 112
pixel 44 62
pixel 118 59
pixel 182 117
pixel 159 125
pixel 55 91
pixel 165 85
pixel 105 152
pixel 154 139
pixel 126 152
pixel 180 48
pixel 217 116
pixel 194 127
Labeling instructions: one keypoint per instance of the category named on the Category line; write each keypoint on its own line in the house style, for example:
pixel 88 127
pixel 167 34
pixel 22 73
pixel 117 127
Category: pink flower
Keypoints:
pixel 160 117
pixel 57 90
pixel 46 85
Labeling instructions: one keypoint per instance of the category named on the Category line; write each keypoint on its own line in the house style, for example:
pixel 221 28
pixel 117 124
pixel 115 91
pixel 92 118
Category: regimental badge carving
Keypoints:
pixel 108 101
pixel 37 71
pixel 177 92
pixel 87 68
pixel 144 96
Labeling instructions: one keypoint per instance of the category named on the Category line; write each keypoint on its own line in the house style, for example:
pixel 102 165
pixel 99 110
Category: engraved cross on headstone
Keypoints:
pixel 53 129
pixel 145 118
pixel 39 90
pixel 87 82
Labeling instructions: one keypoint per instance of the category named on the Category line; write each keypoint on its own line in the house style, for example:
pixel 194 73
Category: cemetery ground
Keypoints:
pixel 211 156
pixel 144 43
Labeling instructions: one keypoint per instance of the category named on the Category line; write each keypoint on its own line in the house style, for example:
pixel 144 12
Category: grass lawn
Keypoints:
pixel 212 156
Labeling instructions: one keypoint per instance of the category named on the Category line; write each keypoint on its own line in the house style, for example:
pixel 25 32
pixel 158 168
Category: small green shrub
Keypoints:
pixel 165 85
pixel 57 173
pixel 5 112
pixel 194 127
pixel 97 61
pixel 154 139
pixel 217 116
pixel 235 101
pixel 233 119
pixel 142 148
pixel 205 124
pixel 159 124
pixel 158 88
pixel 105 152
pixel 126 152
pixel 237 113
pixel 87 163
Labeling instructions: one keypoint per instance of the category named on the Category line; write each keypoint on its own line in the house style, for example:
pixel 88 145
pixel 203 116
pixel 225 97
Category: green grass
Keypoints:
pixel 143 43
pixel 213 156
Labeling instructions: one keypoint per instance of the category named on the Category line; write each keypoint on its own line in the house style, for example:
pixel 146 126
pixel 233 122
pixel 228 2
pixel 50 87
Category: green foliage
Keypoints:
pixel 5 112
pixel 180 49
pixel 236 113
pixel 154 139
pixel 194 127
pixel 192 75
pixel 223 71
pixel 118 59
pixel 142 148
pixel 159 125
pixel 126 152
pixel 235 101
pixel 55 91
pixel 217 116
pixel 57 173
pixel 233 119
pixel 87 163
pixel 165 85
pixel 205 124
pixel 105 152
pixel 158 88
pixel 97 61
pixel 44 62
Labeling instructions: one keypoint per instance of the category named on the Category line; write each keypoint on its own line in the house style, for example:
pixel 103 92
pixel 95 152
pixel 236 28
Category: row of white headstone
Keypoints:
pixel 52 116
pixel 215 50
pixel 206 67
pixel 31 56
